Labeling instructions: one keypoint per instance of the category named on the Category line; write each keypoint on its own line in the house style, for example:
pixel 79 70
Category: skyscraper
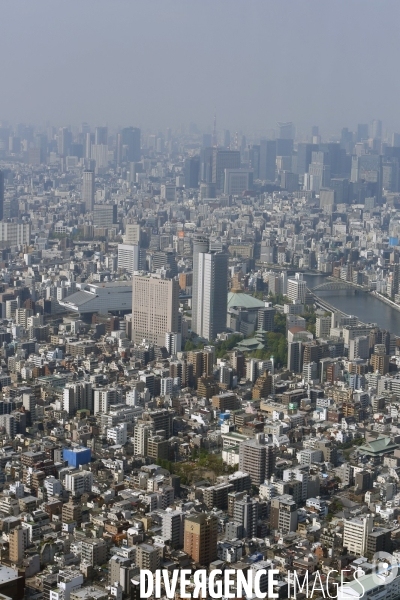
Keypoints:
pixel 221 160
pixel 130 137
pixel 1 195
pixel 267 160
pixel 319 172
pixel 304 156
pixel 99 153
pixel 376 129
pixel 362 132
pixel 64 141
pixel 212 293
pixel 88 190
pixel 286 131
pixel 88 145
pixel 200 244
pixel 192 171
pixel 101 135
pixel 295 356
pixel 297 288
pixel 128 257
pixel 155 308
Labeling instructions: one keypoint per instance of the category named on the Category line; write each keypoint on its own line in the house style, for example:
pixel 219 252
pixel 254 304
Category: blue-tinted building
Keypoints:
pixel 77 456
pixel 223 417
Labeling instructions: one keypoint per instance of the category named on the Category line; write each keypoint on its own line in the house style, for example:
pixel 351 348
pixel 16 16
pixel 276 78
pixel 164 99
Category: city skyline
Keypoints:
pixel 254 65
pixel 199 299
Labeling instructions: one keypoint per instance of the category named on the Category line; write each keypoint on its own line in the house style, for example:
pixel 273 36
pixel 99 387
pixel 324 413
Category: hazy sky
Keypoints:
pixel 160 63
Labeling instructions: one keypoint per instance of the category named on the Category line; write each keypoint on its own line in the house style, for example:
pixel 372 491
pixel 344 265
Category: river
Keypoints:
pixel 365 306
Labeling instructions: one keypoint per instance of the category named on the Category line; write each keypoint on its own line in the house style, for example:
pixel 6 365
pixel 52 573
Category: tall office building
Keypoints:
pixel 212 290
pixel 105 215
pixel 286 131
pixel 376 129
pixel 221 160
pixel 237 181
pixel 128 257
pixel 254 160
pixel 200 538
pixel 1 195
pixel 155 308
pixel 295 357
pixel 130 138
pixel 370 172
pixel 297 289
pixel 64 141
pixel 319 172
pixel 88 145
pixel 206 159
pixel 200 244
pixel 88 190
pixel 362 132
pixel 284 147
pixel 99 153
pixel 304 156
pixel 267 159
pixel 192 171
pixel 101 135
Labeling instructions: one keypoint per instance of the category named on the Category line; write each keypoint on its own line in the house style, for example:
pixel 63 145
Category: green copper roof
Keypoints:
pixel 243 300
pixel 381 445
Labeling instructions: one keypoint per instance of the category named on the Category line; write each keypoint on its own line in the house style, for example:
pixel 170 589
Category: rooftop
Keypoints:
pixel 239 299
pixel 382 445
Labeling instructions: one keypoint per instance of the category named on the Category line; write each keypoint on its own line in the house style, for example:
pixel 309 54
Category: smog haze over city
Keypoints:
pixel 199 300
pixel 167 63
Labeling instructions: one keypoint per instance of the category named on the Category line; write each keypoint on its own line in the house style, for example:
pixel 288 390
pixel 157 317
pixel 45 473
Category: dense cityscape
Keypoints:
pixel 190 377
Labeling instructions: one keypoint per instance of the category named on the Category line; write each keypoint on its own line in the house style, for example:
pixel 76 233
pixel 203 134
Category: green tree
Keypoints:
pixel 280 323
pixel 278 299
pixel 224 347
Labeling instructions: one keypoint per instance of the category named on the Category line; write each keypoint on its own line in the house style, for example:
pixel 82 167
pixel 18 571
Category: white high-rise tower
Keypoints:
pixel 88 190
pixel 212 294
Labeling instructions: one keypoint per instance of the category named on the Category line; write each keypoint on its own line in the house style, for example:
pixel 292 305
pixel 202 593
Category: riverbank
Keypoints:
pixel 328 307
pixel 368 307
pixel 385 300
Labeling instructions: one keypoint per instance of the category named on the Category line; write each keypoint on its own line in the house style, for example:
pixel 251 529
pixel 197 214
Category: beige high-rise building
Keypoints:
pixel 155 308
pixel 18 543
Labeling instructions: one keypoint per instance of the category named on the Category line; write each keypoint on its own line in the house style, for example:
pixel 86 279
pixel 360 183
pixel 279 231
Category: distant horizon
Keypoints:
pixel 159 64
pixel 186 130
